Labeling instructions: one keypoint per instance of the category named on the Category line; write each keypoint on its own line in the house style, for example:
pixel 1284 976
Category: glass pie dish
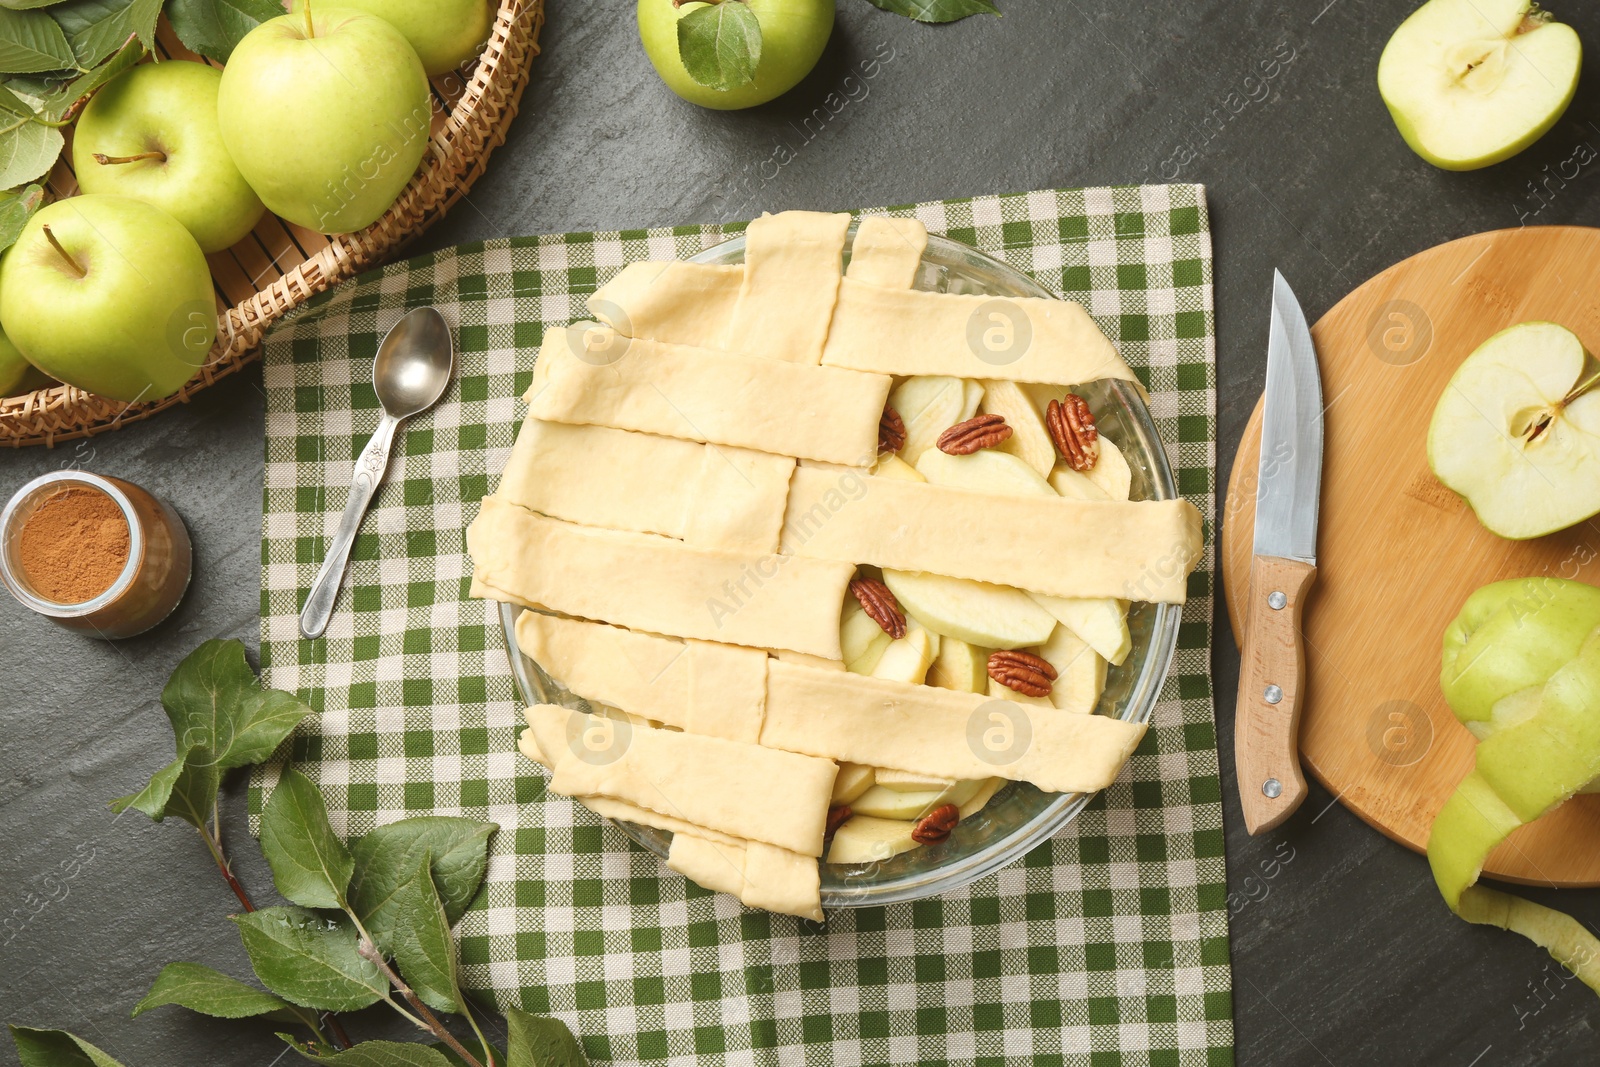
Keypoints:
pixel 1019 817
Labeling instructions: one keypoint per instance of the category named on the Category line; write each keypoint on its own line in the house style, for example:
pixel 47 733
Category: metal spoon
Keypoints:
pixel 410 373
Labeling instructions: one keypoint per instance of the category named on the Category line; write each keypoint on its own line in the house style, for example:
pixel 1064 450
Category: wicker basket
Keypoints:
pixel 280 266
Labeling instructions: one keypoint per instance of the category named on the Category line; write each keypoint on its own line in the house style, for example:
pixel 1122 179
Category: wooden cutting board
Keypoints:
pixel 1398 553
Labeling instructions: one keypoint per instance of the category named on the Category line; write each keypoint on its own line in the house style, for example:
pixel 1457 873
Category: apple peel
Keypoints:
pixel 1525 767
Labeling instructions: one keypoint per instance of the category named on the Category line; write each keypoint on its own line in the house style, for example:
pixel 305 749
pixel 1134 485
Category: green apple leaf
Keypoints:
pixel 31 41
pixel 54 98
pixel 423 948
pixel 97 28
pixel 28 5
pixel 310 959
pixel 214 701
pixel 15 211
pixel 209 992
pixel 937 10
pixel 310 865
pixel 377 1054
pixel 214 27
pixel 28 149
pixel 538 1041
pixel 385 858
pixel 455 1059
pixel 56 1048
pixel 721 45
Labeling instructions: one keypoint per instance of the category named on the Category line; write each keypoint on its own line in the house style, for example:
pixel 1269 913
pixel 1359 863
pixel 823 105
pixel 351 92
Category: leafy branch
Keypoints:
pixel 365 923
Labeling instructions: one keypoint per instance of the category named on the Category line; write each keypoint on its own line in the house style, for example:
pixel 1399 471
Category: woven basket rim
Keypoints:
pixel 457 154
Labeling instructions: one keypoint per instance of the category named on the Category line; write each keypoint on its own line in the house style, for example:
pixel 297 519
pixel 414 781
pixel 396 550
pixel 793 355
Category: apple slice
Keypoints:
pixel 987 471
pixel 1075 485
pixel 984 794
pixel 906 782
pixel 928 405
pixel 865 839
pixel 971 397
pixel 960 666
pixel 1473 82
pixel 1111 472
pixel 994 616
pixel 1100 622
pixel 1004 692
pixel 908 659
pixel 852 780
pixel 1029 440
pixel 1080 672
pixel 892 466
pixel 1517 431
pixel 881 802
pixel 861 640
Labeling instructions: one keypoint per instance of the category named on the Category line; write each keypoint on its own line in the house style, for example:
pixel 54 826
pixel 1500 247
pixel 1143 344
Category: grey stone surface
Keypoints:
pixel 1345 957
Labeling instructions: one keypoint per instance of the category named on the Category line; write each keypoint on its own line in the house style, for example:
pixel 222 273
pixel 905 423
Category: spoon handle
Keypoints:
pixel 374 460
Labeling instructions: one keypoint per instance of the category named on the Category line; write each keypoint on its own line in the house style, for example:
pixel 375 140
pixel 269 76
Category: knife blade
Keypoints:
pixel 1283 566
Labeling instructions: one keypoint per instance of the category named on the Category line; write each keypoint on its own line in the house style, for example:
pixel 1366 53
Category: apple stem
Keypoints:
pixel 76 266
pixel 100 157
pixel 306 12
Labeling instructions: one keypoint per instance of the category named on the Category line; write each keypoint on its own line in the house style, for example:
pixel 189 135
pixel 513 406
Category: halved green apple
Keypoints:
pixel 1472 82
pixel 1517 431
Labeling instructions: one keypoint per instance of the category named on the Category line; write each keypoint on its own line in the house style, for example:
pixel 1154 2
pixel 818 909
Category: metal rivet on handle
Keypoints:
pixel 1272 788
pixel 1276 600
pixel 1273 694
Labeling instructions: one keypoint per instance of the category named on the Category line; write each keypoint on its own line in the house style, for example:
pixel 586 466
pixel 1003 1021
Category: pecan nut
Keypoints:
pixel 891 431
pixel 1022 671
pixel 935 826
pixel 880 605
pixel 838 815
pixel 1071 426
pixel 980 431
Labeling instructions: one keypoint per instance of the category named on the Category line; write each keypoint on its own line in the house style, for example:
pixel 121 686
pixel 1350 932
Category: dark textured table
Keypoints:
pixel 1343 953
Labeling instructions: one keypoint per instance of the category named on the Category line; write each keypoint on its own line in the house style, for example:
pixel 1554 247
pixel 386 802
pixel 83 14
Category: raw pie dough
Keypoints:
pixel 690 496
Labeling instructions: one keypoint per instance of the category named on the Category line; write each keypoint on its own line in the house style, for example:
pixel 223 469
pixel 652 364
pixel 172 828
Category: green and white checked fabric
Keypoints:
pixel 1108 946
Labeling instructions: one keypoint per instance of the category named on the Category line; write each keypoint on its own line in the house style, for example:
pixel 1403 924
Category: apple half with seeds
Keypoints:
pixel 1473 82
pixel 1517 431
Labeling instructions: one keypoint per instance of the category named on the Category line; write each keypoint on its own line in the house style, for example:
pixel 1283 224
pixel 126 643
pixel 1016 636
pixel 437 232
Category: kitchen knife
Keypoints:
pixel 1282 567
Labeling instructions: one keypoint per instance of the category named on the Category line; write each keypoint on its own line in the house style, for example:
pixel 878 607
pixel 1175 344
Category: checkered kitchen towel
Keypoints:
pixel 1109 945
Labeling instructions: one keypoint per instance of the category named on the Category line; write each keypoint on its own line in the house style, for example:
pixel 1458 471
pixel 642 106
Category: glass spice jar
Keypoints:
pixel 59 582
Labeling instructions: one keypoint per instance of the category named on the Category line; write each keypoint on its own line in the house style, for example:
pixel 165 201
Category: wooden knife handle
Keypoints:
pixel 1272 677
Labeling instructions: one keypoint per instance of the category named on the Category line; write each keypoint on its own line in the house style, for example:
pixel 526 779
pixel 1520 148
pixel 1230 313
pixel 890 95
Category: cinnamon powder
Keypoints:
pixel 74 545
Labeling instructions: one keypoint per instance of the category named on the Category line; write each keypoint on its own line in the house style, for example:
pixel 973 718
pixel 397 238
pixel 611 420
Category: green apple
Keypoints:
pixel 445 33
pixel 152 134
pixel 111 295
pixel 17 375
pixel 1472 82
pixel 326 114
pixel 793 34
pixel 1517 431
